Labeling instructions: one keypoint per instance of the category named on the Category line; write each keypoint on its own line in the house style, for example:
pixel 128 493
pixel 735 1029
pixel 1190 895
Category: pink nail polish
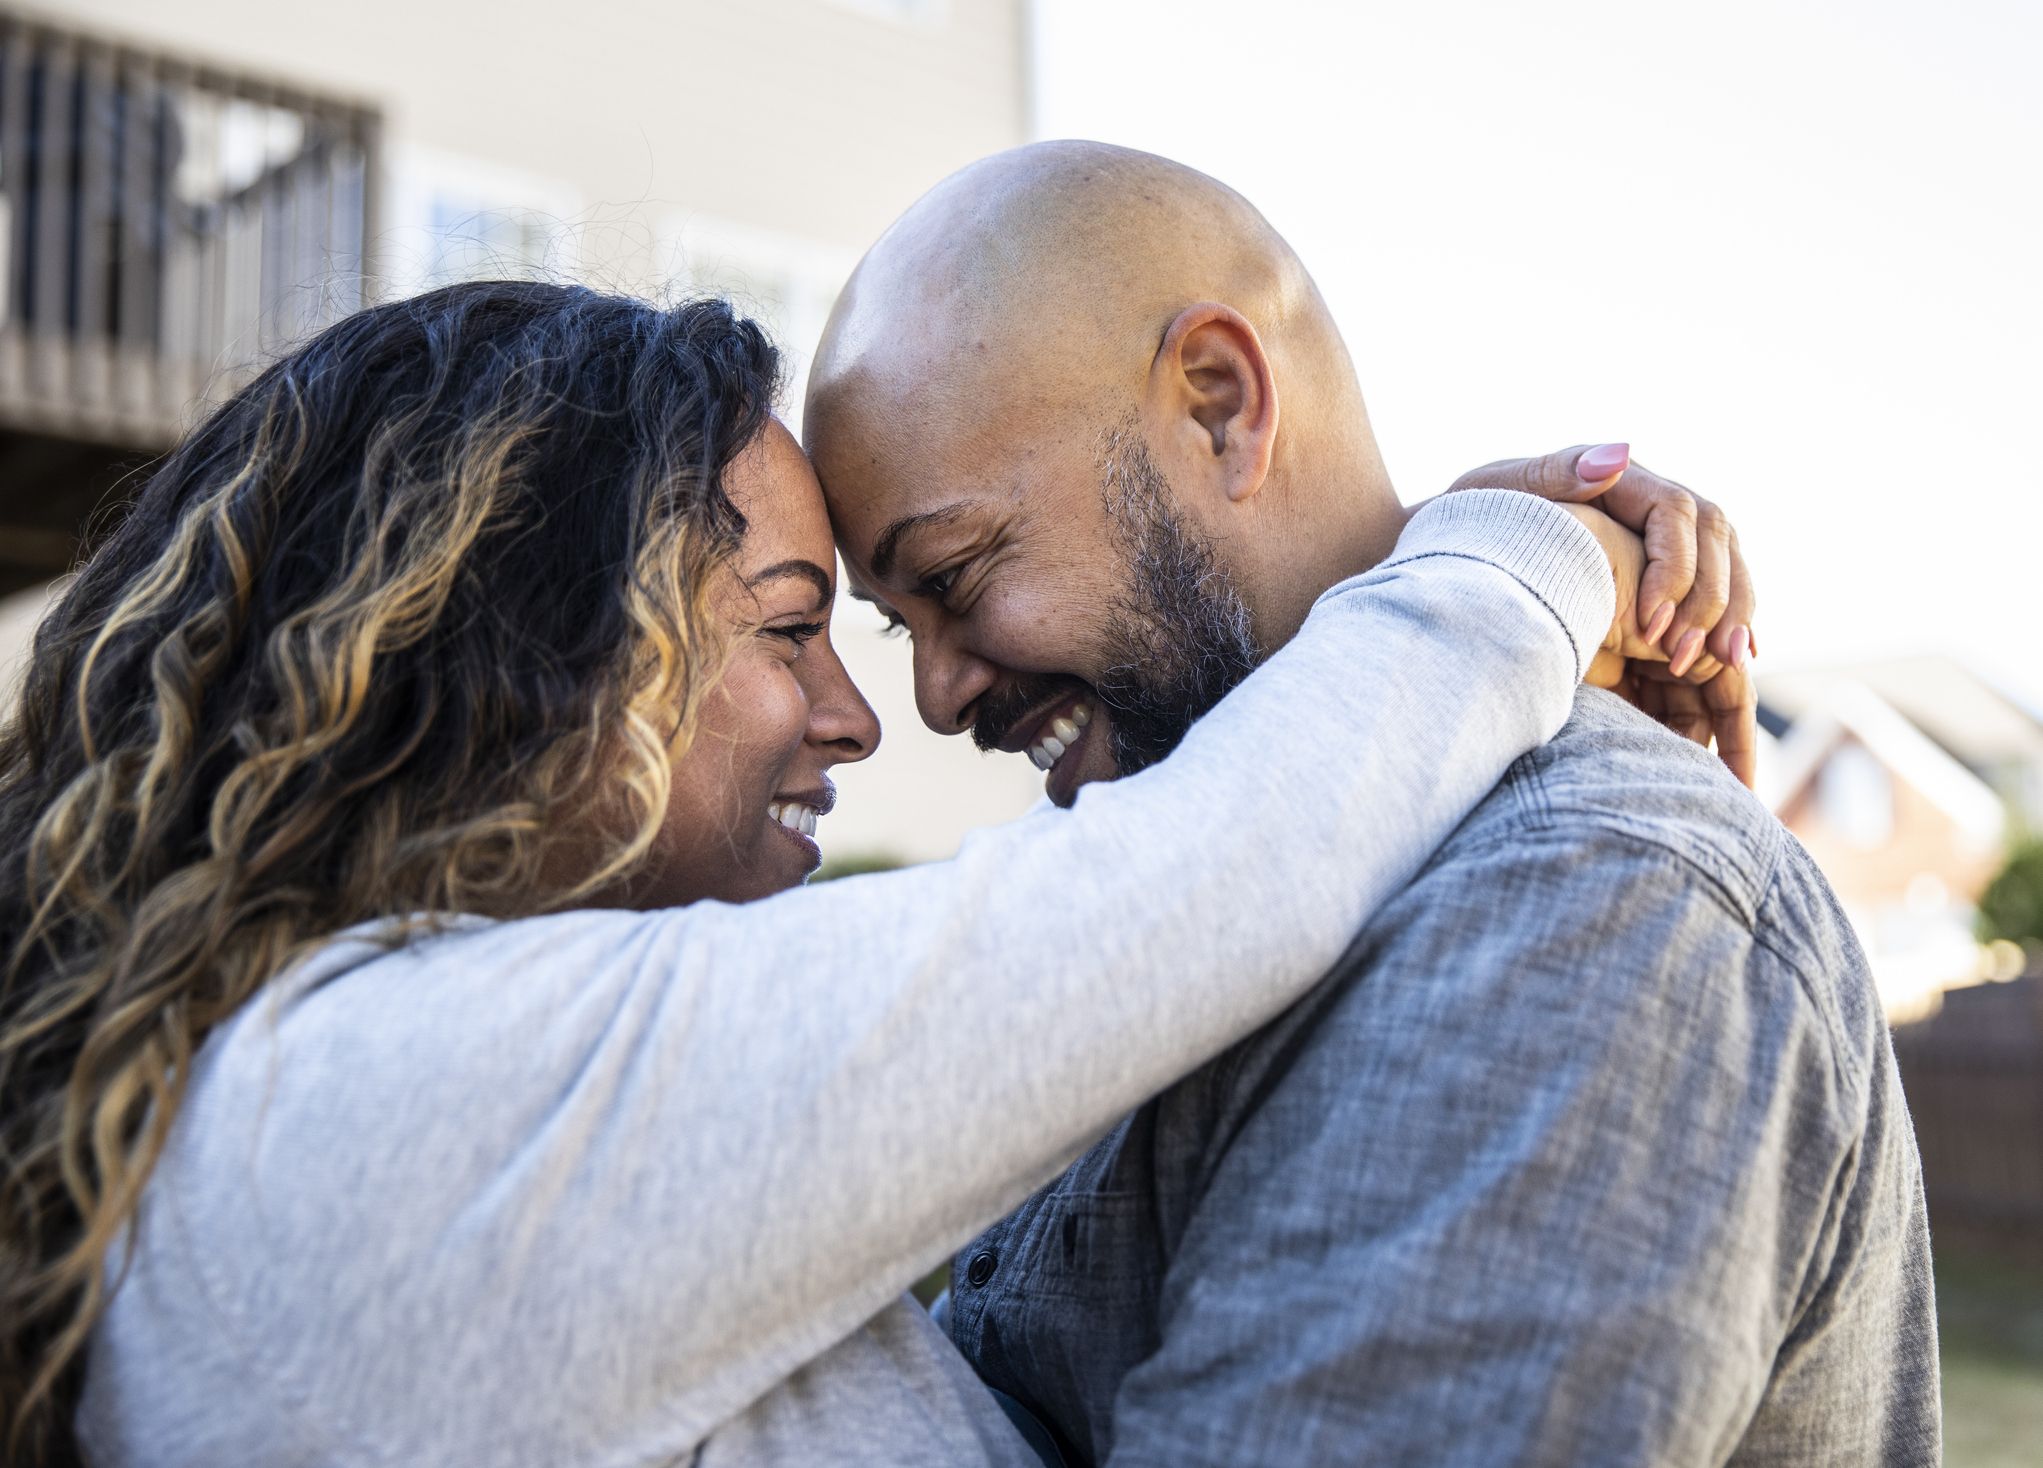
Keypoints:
pixel 1686 652
pixel 1656 628
pixel 1599 463
pixel 1741 648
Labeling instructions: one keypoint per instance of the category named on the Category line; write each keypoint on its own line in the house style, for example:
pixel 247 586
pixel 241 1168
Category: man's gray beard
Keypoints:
pixel 1181 634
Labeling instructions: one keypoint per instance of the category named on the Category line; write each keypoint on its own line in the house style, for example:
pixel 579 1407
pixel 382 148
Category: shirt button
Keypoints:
pixel 981 1269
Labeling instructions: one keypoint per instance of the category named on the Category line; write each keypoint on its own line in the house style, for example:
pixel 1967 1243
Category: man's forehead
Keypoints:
pixel 879 493
pixel 886 544
pixel 874 501
pixel 942 459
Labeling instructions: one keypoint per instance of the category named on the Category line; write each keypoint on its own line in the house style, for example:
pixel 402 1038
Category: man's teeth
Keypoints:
pixel 795 816
pixel 1064 733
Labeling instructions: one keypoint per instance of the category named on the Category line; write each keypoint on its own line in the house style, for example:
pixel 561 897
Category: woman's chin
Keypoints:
pixel 782 861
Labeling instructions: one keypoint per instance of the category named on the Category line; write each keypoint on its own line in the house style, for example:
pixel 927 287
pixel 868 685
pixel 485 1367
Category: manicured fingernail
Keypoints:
pixel 1752 642
pixel 1661 618
pixel 1686 652
pixel 1599 463
pixel 1741 647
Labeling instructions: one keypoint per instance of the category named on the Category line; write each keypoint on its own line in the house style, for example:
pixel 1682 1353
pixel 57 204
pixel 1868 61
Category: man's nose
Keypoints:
pixel 949 680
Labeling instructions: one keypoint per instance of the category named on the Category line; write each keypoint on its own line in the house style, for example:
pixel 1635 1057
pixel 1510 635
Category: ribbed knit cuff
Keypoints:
pixel 1551 553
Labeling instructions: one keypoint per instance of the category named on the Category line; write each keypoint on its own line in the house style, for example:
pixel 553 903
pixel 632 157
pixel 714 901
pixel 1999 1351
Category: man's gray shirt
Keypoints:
pixel 1590 1151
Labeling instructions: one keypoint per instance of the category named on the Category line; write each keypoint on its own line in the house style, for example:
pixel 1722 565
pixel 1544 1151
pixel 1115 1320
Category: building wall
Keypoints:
pixel 1882 866
pixel 820 119
pixel 750 146
pixel 753 147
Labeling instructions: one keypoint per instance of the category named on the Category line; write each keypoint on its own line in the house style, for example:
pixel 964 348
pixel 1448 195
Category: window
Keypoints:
pixel 788 283
pixel 1855 794
pixel 453 218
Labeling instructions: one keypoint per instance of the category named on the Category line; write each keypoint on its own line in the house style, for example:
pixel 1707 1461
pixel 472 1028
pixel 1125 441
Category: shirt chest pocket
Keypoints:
pixel 1067 1305
pixel 1101 1248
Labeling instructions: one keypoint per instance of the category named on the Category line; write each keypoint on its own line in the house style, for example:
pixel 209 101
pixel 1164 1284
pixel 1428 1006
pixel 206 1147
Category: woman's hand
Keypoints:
pixel 1697 593
pixel 1681 645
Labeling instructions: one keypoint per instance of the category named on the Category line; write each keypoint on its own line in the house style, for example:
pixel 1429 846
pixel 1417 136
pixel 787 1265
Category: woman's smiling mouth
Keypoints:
pixel 795 816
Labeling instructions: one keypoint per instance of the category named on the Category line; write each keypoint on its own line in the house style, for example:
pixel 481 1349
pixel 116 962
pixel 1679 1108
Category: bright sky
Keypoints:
pixel 1792 251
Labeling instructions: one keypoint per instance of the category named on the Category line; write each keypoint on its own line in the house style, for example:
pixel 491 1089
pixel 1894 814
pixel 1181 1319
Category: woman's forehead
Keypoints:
pixel 776 491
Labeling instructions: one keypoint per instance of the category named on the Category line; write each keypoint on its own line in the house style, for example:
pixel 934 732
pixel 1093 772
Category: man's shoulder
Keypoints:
pixel 1617 904
pixel 1611 780
pixel 1621 870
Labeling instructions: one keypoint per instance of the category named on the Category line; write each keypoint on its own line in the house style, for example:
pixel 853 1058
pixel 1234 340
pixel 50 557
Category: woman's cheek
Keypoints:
pixel 791 713
pixel 774 713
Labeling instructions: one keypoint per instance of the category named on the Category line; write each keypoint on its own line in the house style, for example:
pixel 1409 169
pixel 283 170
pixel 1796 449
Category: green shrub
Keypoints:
pixel 2012 907
pixel 857 864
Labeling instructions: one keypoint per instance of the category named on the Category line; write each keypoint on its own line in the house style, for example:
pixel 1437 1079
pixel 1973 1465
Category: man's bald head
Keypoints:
pixel 1048 332
pixel 1085 245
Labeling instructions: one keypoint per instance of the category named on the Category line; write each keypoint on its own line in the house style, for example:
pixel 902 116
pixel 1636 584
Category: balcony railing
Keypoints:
pixel 165 226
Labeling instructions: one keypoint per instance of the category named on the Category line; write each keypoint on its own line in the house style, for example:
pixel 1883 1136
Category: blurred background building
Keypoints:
pixel 187 188
pixel 1908 779
pixel 1796 269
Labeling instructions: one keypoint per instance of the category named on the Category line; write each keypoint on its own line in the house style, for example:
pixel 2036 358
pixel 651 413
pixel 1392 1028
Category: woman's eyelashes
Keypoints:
pixel 797 634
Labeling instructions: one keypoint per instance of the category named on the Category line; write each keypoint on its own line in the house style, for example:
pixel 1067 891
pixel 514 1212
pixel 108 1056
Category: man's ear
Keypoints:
pixel 1211 383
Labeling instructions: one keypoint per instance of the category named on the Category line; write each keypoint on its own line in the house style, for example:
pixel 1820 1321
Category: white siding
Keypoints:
pixel 802 116
pixel 750 146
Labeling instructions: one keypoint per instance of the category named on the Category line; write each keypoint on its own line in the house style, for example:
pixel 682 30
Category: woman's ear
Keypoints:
pixel 1211 386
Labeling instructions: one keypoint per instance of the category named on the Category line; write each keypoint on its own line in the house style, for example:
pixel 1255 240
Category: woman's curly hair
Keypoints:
pixel 412 625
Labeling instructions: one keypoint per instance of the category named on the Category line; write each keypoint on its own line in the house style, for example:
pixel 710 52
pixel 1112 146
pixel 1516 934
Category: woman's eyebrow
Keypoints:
pixel 808 570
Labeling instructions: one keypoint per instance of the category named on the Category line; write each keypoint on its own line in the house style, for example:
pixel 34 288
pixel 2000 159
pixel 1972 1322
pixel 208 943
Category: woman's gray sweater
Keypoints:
pixel 617 1188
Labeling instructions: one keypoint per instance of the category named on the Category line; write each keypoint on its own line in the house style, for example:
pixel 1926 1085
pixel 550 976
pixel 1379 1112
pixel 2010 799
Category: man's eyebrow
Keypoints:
pixel 808 570
pixel 889 543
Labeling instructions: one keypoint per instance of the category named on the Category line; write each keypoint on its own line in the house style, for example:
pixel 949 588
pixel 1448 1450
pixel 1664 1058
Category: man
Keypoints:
pixel 1592 1149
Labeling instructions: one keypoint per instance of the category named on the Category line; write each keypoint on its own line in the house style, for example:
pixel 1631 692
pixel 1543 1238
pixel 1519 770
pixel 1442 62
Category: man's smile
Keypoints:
pixel 1058 731
pixel 1074 746
pixel 1064 735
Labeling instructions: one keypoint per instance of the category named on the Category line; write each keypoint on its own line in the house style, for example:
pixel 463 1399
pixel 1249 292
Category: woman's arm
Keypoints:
pixel 717 1139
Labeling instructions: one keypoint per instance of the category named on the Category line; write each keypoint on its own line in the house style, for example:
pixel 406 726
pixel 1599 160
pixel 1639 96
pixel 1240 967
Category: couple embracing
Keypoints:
pixel 417 1045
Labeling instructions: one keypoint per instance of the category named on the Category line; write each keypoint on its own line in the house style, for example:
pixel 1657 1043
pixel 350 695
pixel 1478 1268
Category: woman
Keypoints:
pixel 380 1083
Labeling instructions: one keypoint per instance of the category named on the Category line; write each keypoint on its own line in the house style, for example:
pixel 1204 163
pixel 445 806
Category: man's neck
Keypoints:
pixel 1359 534
pixel 1381 537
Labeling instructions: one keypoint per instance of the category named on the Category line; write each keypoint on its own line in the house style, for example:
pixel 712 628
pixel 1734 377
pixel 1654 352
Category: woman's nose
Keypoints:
pixel 840 720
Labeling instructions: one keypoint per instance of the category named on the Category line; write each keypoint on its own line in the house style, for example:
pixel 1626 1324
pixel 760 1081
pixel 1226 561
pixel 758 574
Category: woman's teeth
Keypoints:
pixel 795 816
pixel 1061 735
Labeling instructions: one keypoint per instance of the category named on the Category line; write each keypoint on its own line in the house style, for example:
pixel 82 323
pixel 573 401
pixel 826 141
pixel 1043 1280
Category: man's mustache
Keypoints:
pixel 1001 708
